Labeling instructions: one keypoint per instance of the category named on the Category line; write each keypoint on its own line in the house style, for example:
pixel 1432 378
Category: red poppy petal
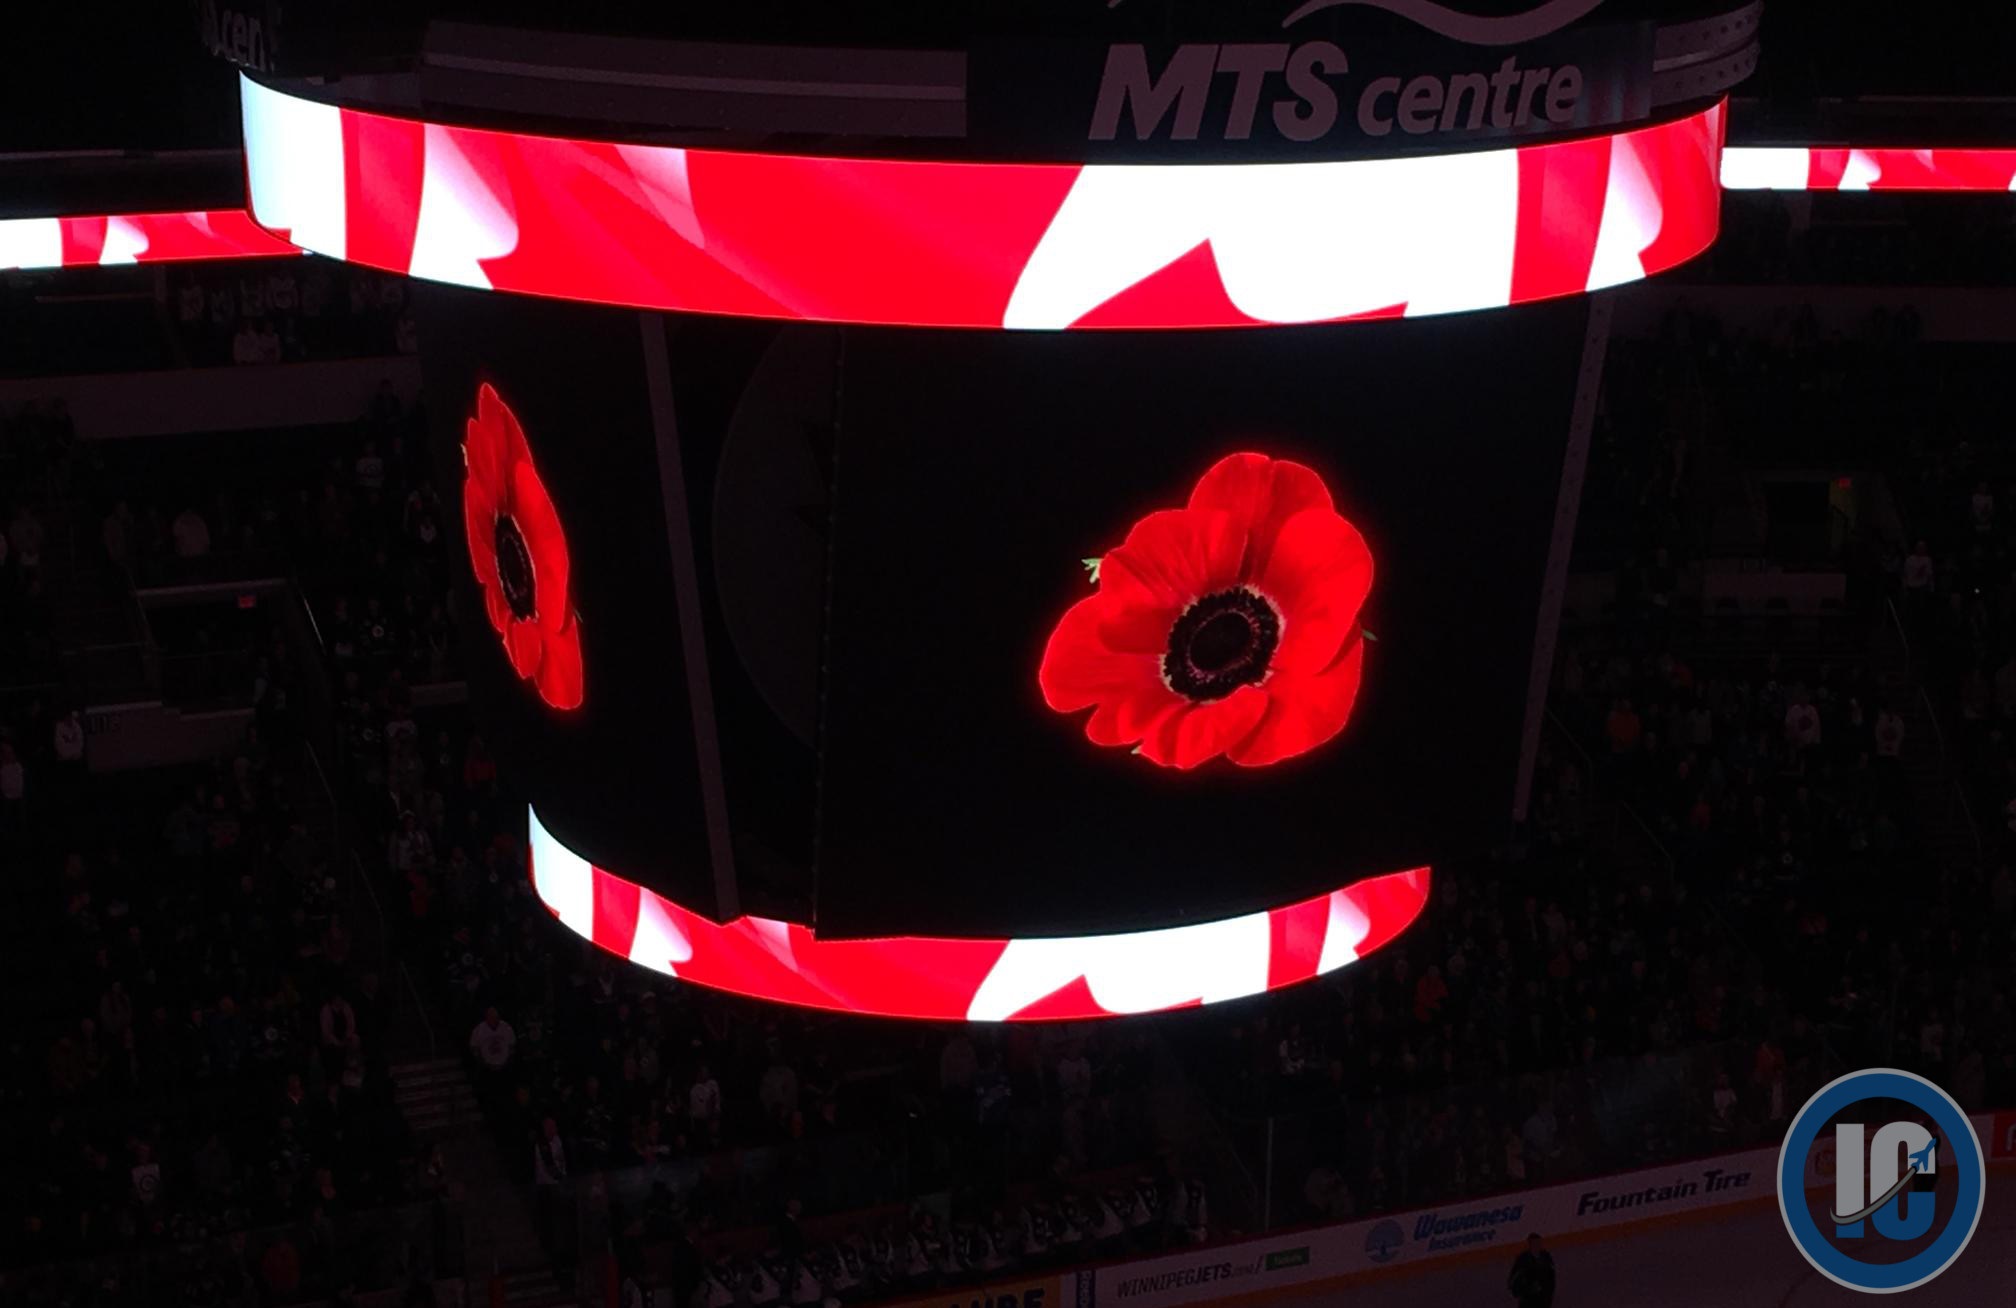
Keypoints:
pixel 527 646
pixel 1262 493
pixel 1204 731
pixel 547 544
pixel 1124 720
pixel 479 522
pixel 509 430
pixel 1080 670
pixel 1139 629
pixel 499 610
pixel 481 457
pixel 487 445
pixel 1303 711
pixel 1172 558
pixel 559 681
pixel 1319 574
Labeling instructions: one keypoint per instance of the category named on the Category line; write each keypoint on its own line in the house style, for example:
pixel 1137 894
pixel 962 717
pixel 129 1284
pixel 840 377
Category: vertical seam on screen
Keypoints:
pixel 692 627
pixel 819 725
pixel 1553 589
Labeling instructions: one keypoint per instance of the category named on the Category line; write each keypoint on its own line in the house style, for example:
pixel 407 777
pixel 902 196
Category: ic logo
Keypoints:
pixel 1384 1240
pixel 1906 1184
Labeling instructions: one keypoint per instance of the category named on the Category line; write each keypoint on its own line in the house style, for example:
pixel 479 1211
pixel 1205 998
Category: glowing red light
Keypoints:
pixel 108 240
pixel 945 979
pixel 1229 627
pixel 980 244
pixel 1870 168
pixel 519 553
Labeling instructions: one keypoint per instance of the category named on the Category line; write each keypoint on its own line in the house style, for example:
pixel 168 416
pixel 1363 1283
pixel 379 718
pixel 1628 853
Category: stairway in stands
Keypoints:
pixel 98 632
pixel 436 1099
pixel 538 1287
pixel 1949 831
pixel 1627 851
pixel 501 1240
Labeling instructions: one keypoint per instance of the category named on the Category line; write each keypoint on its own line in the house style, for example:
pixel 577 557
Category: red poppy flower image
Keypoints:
pixel 520 553
pixel 1228 627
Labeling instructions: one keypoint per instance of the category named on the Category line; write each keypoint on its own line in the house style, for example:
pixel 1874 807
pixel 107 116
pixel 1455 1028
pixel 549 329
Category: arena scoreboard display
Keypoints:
pixel 967 634
pixel 1005 512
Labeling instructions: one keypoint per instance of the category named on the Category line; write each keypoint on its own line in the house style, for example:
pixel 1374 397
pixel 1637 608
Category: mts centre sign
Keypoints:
pixel 1327 78
pixel 1307 81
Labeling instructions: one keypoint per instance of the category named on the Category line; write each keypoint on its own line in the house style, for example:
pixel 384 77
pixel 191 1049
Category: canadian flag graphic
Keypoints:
pixel 943 979
pixel 963 244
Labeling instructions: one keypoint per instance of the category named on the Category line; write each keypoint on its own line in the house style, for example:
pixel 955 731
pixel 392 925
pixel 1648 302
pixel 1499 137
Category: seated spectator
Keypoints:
pixel 192 534
pixel 493 1042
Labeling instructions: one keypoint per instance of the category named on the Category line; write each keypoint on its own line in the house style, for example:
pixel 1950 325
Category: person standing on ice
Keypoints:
pixel 1532 1279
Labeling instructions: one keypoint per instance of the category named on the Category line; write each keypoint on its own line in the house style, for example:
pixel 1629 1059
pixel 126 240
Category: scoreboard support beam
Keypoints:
pixel 692 627
pixel 1574 468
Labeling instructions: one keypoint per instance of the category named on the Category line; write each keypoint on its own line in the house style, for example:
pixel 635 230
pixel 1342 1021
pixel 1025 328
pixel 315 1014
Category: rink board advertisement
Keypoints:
pixel 1023 1292
pixel 1260 1267
pixel 1495 1226
pixel 1999 1135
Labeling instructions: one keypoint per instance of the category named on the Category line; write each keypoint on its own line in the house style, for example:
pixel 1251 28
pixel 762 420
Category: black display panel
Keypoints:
pixel 617 775
pixel 978 470
pixel 863 715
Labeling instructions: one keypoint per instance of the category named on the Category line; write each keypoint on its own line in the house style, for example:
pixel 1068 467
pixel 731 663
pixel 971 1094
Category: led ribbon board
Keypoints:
pixel 105 240
pixel 1052 978
pixel 1876 168
pixel 94 241
pixel 943 244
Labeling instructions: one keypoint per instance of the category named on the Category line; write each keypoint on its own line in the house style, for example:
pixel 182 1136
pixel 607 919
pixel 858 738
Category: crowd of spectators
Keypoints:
pixel 1751 771
pixel 1954 588
pixel 1687 999
pixel 36 443
pixel 711 1114
pixel 600 1067
pixel 368 541
pixel 1861 239
pixel 197 1067
pixel 1796 796
pixel 286 311
pixel 919 1252
pixel 1556 1014
pixel 151 317
pixel 350 512
pixel 197 1101
pixel 1595 994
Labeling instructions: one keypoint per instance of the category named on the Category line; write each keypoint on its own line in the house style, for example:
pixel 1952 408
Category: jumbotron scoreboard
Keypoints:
pixel 1002 511
pixel 1009 516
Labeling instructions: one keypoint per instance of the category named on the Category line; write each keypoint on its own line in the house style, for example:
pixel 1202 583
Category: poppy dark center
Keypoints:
pixel 514 567
pixel 1222 642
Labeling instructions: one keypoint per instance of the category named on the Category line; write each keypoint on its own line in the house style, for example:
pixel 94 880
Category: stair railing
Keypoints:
pixel 1947 771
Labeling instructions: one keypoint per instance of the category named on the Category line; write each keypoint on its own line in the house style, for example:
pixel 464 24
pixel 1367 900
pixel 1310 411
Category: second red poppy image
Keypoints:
pixel 519 553
pixel 1228 628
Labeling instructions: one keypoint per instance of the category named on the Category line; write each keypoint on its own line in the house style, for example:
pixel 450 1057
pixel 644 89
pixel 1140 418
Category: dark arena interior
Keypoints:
pixel 1076 654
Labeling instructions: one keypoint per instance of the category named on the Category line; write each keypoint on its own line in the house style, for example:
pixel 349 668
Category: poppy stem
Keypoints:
pixel 1092 566
pixel 1368 635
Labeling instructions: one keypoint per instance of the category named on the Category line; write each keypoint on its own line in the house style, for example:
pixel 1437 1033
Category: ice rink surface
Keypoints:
pixel 1742 1260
